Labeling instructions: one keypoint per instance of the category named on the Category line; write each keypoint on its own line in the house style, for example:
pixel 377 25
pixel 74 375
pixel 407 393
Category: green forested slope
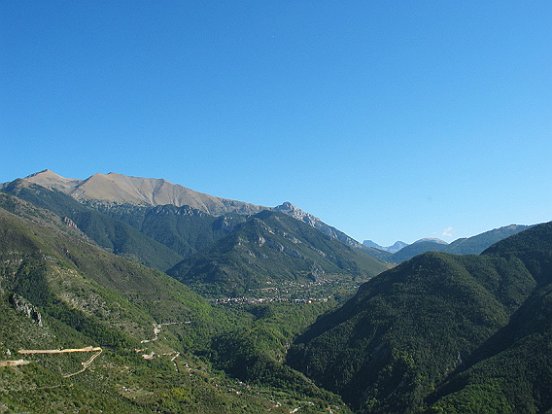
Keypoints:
pixel 512 371
pixel 115 235
pixel 268 249
pixel 477 326
pixel 182 229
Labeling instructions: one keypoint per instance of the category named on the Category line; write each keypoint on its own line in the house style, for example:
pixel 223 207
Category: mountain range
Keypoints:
pixel 114 189
pixel 136 295
pixel 141 202
pixel 125 215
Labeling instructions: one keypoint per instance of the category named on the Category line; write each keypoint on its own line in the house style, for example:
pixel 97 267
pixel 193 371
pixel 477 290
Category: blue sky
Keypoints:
pixel 388 120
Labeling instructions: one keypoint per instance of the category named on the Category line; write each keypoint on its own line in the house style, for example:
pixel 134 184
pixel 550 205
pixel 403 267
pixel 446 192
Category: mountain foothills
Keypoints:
pixel 135 295
pixel 443 334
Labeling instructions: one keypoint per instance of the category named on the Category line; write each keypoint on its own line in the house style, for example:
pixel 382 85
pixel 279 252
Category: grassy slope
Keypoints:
pixel 87 296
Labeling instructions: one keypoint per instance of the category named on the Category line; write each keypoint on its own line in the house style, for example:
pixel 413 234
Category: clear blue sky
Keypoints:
pixel 389 120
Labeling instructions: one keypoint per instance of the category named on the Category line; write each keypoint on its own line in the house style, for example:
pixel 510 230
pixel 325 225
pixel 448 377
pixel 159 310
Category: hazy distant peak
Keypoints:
pixel 395 247
pixel 373 244
pixel 430 239
pixel 398 245
pixel 510 227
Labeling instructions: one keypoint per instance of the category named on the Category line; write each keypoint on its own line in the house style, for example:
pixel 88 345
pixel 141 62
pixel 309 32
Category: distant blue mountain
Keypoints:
pixel 398 245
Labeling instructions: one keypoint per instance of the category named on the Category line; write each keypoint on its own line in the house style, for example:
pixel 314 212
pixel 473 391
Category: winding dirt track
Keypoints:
pixel 14 363
pixel 59 351
pixel 156 331
pixel 85 364
pixel 96 349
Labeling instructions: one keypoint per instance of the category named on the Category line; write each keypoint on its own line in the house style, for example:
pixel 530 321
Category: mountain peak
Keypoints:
pixel 286 206
pixel 295 212
pixel 51 180
pixel 289 209
pixel 42 173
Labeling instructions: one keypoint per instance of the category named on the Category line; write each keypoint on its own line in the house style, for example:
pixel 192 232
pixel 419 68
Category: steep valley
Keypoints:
pixel 127 305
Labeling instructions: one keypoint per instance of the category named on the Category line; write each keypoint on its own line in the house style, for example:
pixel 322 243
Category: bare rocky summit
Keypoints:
pixel 121 189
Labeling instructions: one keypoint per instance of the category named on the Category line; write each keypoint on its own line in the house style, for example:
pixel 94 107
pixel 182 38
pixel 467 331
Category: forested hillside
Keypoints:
pixel 271 251
pixel 447 323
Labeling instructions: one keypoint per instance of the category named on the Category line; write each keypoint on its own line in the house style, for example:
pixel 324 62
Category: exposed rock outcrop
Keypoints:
pixel 20 304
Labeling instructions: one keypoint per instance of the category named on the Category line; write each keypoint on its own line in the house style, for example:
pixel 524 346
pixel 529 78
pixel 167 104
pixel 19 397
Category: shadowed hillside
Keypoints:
pixel 442 319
